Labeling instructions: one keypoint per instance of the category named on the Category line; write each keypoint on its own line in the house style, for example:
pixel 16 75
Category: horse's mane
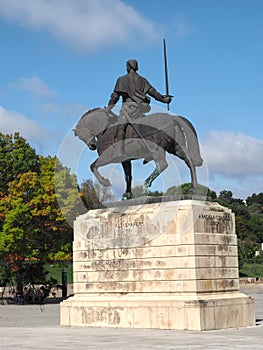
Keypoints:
pixel 88 112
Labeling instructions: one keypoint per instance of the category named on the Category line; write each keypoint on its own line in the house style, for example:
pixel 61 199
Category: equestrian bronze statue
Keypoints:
pixel 134 134
pixel 147 137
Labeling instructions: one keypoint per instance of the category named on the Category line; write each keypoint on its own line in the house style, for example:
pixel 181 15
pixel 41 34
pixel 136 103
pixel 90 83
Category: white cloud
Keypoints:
pixel 87 25
pixel 240 187
pixel 11 122
pixel 234 162
pixel 233 155
pixel 34 85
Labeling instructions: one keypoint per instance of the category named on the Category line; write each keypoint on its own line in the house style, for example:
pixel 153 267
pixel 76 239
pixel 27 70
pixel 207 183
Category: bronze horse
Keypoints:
pixel 148 137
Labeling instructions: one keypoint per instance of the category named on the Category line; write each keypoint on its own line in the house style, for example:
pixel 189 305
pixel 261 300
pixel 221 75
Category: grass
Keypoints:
pixel 251 270
pixel 55 271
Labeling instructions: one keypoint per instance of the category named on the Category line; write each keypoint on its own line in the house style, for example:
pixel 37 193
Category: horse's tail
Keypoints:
pixel 192 144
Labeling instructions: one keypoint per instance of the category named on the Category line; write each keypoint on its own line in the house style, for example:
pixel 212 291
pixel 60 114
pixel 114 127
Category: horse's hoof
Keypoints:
pixel 145 191
pixel 127 195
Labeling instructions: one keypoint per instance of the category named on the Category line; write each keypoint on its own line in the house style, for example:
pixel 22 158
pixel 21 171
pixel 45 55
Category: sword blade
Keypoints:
pixel 166 71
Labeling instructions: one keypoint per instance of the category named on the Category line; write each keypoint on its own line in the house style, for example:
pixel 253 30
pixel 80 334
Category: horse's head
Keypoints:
pixel 91 124
pixel 86 136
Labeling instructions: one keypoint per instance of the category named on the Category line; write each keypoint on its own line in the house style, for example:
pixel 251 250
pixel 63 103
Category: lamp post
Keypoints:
pixel 64 283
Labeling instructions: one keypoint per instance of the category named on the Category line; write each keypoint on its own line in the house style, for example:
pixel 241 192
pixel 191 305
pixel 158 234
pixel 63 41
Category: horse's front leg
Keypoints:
pixel 127 167
pixel 94 168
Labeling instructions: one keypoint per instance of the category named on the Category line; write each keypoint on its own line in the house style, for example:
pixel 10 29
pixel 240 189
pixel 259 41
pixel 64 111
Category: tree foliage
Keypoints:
pixel 16 157
pixel 186 189
pixel 139 191
pixel 94 195
pixel 249 222
pixel 32 226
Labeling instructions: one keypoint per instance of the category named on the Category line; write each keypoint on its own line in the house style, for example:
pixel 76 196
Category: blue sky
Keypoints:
pixel 61 58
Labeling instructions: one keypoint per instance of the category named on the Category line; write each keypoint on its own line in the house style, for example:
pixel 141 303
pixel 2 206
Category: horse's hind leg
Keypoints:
pixel 127 167
pixel 182 153
pixel 192 169
pixel 160 167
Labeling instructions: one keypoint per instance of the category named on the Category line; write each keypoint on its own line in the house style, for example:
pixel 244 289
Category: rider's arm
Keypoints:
pixel 116 92
pixel 157 96
pixel 114 98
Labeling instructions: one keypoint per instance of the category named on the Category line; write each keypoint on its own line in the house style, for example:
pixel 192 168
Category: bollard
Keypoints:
pixel 64 283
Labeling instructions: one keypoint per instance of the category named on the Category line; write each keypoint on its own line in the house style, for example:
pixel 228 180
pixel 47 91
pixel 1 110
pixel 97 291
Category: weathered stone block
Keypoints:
pixel 171 265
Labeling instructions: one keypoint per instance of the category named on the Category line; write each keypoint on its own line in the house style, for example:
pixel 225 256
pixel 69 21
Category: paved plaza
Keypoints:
pixel 37 327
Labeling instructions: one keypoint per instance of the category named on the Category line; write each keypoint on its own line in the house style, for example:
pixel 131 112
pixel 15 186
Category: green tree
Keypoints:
pixel 16 239
pixel 255 226
pixel 16 157
pixel 255 204
pixel 33 225
pixel 55 232
pixel 225 197
pixel 67 193
pixel 186 189
pixel 139 191
pixel 94 194
pixel 88 194
pixel 249 221
pixel 255 199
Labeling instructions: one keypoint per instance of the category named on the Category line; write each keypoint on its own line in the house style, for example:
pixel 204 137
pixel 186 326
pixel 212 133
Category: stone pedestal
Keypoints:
pixel 168 265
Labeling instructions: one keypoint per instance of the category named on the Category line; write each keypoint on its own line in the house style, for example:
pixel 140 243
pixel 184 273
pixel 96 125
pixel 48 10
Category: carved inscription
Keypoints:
pixel 225 216
pixel 118 230
pixel 217 223
pixel 128 222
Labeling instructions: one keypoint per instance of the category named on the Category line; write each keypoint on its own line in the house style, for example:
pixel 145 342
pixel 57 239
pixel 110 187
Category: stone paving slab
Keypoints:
pixel 27 327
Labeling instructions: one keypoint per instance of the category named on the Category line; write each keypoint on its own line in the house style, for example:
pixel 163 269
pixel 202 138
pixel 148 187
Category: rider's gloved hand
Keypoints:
pixel 167 99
